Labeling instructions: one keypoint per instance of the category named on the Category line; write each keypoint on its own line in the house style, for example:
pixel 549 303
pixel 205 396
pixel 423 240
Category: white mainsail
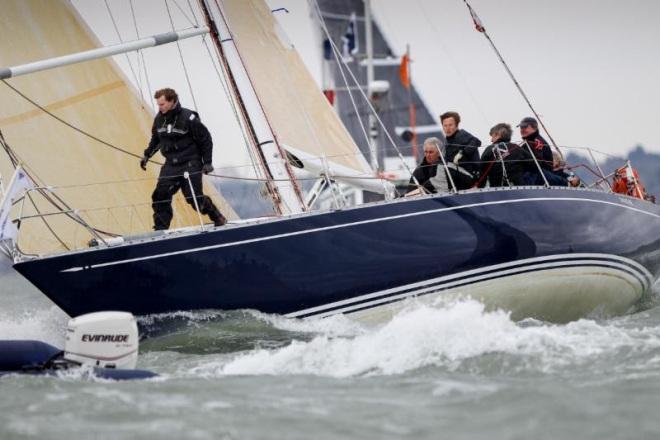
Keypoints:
pixel 302 119
pixel 92 96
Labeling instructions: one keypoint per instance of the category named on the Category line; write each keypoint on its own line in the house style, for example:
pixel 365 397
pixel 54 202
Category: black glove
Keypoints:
pixel 207 168
pixel 143 162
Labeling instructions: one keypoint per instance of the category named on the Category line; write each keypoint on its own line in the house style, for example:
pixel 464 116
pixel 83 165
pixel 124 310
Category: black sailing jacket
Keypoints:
pixel 517 160
pixel 181 137
pixel 469 145
pixel 541 150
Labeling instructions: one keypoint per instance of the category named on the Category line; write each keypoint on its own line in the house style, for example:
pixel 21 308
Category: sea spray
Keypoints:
pixel 455 337
pixel 46 325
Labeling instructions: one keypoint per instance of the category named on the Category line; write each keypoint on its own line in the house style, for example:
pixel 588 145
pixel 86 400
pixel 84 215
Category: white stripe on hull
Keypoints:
pixel 624 266
pixel 557 295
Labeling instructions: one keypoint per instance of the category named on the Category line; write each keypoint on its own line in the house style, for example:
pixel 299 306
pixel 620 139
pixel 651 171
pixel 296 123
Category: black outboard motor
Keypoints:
pixel 105 341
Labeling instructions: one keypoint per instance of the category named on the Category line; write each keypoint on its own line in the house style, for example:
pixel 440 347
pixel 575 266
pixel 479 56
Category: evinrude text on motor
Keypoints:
pixel 105 343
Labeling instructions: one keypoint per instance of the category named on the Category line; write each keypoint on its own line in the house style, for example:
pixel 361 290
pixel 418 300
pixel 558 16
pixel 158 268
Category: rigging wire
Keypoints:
pixel 433 25
pixel 178 6
pixel 367 100
pixel 274 191
pixel 183 63
pixel 138 81
pixel 15 161
pixel 79 130
pixel 45 191
pixel 83 132
pixel 141 56
pixel 108 144
pixel 231 97
pixel 122 150
pixel 68 124
pixel 285 68
pixel 339 60
pixel 478 24
pixel 228 95
pixel 231 93
pixel 135 155
pixel 226 89
pixel 192 12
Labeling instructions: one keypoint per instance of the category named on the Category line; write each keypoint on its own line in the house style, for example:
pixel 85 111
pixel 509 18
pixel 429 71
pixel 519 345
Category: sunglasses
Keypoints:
pixel 524 126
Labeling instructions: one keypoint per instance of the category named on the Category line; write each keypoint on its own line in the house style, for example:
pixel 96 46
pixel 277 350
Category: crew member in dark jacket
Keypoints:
pixel 187 146
pixel 462 151
pixel 430 174
pixel 529 130
pixel 503 162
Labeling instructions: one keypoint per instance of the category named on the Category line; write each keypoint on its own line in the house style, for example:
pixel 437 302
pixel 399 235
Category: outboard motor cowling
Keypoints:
pixel 103 339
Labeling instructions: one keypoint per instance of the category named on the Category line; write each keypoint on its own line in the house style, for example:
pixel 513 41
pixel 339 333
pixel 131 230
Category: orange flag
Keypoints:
pixel 403 71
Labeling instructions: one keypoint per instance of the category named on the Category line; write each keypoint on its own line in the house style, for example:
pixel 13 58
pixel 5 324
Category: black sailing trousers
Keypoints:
pixel 171 179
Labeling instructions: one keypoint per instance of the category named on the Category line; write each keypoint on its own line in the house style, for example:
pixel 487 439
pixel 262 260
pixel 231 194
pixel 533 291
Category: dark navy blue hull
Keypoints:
pixel 317 263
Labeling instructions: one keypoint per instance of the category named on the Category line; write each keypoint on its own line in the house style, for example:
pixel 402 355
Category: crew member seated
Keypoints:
pixel 504 163
pixel 430 174
pixel 559 170
pixel 539 147
pixel 529 131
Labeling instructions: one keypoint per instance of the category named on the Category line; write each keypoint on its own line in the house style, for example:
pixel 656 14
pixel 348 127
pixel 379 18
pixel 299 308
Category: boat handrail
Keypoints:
pixel 130 219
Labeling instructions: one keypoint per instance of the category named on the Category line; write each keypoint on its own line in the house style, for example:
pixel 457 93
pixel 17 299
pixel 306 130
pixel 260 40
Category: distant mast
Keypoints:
pixel 281 183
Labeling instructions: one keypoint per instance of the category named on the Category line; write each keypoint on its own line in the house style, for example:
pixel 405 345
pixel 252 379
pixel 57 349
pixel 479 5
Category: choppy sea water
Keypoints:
pixel 450 371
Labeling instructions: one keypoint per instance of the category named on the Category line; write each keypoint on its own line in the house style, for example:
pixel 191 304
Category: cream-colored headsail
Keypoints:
pixel 93 96
pixel 301 116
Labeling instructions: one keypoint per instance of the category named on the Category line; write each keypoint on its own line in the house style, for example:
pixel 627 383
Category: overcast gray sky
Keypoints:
pixel 590 67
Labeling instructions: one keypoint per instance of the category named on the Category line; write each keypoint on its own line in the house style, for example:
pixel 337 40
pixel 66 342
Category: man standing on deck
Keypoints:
pixel 187 146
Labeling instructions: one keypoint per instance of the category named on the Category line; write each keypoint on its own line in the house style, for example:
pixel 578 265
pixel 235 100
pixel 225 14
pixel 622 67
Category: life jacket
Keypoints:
pixel 174 135
pixel 626 181
pixel 175 139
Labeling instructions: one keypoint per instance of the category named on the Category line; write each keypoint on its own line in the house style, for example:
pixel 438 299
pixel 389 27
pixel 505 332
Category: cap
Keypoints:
pixel 529 121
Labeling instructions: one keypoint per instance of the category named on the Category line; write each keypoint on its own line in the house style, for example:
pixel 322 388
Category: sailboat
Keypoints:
pixel 550 253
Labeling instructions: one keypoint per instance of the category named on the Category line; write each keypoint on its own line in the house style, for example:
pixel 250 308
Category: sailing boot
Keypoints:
pixel 216 216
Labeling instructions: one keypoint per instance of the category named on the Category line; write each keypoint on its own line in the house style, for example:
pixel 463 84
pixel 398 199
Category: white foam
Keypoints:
pixel 48 325
pixel 336 325
pixel 453 388
pixel 190 316
pixel 426 336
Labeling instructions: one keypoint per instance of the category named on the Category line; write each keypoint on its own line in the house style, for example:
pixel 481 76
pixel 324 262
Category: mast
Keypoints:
pixel 281 183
